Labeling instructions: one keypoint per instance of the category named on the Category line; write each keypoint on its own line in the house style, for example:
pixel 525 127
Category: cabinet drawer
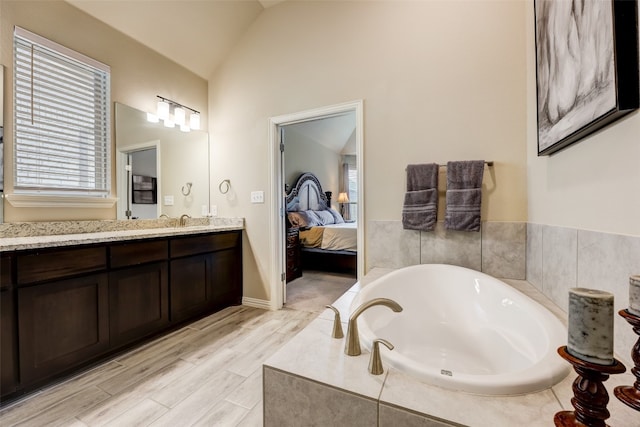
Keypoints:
pixel 193 245
pixel 41 266
pixel 6 271
pixel 134 253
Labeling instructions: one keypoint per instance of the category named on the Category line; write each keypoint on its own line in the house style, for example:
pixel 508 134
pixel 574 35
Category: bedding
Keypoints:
pixel 328 242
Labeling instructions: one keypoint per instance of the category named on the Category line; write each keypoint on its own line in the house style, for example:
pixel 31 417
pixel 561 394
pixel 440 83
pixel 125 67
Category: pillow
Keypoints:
pixel 303 219
pixel 293 205
pixel 337 218
pixel 325 217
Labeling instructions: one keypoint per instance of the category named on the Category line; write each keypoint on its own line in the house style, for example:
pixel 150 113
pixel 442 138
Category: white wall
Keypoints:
pixel 302 154
pixel 440 81
pixel 592 185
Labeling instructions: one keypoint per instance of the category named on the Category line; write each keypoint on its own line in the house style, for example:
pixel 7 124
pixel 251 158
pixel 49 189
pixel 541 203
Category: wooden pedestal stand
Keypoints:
pixel 630 395
pixel 590 397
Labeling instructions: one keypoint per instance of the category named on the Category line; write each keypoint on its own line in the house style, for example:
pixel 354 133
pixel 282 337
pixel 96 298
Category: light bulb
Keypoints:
pixel 152 118
pixel 163 110
pixel 168 123
pixel 194 121
pixel 185 128
pixel 178 115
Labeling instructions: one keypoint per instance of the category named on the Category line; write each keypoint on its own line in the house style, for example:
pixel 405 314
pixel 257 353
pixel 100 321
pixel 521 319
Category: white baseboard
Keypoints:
pixel 257 303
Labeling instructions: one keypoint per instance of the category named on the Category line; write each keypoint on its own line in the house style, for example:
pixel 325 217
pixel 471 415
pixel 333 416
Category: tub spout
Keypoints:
pixel 352 346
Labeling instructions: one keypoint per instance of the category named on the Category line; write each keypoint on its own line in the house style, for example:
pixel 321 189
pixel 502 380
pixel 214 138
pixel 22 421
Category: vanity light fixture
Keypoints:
pixel 163 109
pixel 179 116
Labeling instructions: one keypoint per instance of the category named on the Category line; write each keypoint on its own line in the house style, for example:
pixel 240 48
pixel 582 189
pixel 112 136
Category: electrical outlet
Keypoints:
pixel 257 197
pixel 204 211
pixel 214 210
pixel 168 200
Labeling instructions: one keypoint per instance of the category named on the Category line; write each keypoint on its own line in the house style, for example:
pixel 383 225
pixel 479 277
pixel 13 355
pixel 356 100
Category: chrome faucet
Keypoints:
pixel 183 220
pixel 352 346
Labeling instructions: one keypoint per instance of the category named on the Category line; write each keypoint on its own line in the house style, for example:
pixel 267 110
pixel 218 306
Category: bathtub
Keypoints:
pixel 464 330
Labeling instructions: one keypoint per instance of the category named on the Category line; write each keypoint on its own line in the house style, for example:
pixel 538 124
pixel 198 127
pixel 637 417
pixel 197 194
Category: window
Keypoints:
pixel 62 120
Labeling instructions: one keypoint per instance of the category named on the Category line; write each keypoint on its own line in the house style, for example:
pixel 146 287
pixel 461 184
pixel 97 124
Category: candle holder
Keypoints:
pixel 590 397
pixel 630 395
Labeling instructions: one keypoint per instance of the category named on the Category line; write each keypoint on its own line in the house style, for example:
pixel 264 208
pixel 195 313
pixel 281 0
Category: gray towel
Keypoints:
pixel 421 199
pixel 420 210
pixel 464 195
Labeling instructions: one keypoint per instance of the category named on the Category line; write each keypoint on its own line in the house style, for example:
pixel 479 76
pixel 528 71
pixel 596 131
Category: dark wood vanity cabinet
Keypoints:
pixel 65 308
pixel 205 274
pixel 61 324
pixel 138 290
pixel 8 329
pixel 62 310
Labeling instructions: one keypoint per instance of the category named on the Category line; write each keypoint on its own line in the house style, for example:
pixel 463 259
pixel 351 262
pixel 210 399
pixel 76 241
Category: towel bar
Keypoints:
pixel 488 163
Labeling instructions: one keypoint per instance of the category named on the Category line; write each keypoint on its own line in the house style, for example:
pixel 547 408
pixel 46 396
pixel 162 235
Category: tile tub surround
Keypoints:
pixel 112 231
pixel 498 249
pixel 314 361
pixel 559 258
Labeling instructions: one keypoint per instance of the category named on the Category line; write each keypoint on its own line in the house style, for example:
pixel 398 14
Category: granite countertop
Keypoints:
pixel 114 235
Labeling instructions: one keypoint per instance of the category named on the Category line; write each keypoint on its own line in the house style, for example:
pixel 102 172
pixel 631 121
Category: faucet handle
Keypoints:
pixel 375 362
pixel 337 324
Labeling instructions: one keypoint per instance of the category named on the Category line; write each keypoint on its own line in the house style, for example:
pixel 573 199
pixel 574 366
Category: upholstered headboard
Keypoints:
pixel 307 194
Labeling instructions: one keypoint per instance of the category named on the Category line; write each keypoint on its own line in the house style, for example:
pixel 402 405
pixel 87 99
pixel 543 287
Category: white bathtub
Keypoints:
pixel 464 330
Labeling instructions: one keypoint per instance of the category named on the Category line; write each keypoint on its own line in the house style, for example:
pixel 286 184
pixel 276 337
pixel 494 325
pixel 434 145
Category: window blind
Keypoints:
pixel 62 119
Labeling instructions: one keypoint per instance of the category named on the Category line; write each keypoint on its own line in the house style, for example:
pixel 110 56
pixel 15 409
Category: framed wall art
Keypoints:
pixel 586 67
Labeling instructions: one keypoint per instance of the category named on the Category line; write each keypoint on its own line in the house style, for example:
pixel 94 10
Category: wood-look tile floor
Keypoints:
pixel 208 373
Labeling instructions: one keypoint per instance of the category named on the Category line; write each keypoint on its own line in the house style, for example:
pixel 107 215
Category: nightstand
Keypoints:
pixel 294 265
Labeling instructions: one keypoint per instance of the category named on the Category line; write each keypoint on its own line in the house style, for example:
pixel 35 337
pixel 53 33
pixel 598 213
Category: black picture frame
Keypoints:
pixel 581 88
pixel 145 190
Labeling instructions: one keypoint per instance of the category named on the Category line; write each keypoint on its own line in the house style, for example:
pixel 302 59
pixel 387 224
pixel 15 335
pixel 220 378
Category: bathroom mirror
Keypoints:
pixel 159 170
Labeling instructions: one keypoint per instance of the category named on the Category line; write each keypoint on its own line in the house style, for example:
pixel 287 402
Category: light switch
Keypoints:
pixel 257 197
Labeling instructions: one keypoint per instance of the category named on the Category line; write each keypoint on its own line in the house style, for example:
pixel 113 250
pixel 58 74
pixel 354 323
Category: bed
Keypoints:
pixel 328 243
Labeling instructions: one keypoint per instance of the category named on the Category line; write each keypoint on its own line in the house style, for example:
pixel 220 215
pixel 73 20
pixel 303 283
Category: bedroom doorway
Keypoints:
pixel 310 126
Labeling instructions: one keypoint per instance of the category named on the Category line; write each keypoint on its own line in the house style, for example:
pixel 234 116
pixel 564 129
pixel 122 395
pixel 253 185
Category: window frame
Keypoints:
pixel 98 195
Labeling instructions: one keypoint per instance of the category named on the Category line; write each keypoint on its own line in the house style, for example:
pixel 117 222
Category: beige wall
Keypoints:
pixel 440 81
pixel 138 74
pixel 593 184
pixel 303 154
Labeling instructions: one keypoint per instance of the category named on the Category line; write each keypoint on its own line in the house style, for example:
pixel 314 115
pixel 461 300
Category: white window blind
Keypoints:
pixel 62 119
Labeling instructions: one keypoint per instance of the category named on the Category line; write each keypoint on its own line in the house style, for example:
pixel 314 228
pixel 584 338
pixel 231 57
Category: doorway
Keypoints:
pixel 278 181
pixel 138 181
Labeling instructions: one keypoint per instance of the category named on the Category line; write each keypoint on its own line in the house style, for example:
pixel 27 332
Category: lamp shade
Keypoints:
pixel 179 116
pixel 163 110
pixel 194 121
pixel 343 198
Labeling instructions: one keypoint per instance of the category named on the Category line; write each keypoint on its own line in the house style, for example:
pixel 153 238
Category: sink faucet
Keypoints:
pixel 352 346
pixel 183 219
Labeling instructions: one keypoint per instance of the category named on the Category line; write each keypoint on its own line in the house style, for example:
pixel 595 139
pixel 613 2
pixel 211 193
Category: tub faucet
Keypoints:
pixel 352 346
pixel 183 220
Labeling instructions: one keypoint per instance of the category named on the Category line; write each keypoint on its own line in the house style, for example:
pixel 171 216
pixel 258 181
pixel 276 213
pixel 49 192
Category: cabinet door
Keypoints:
pixel 138 302
pixel 61 325
pixel 8 367
pixel 191 286
pixel 227 277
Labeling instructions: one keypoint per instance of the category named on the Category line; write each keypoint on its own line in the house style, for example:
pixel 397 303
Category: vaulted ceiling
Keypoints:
pixel 197 34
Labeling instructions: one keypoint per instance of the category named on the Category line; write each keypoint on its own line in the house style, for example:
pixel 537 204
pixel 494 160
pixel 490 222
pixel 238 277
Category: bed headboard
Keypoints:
pixel 308 195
